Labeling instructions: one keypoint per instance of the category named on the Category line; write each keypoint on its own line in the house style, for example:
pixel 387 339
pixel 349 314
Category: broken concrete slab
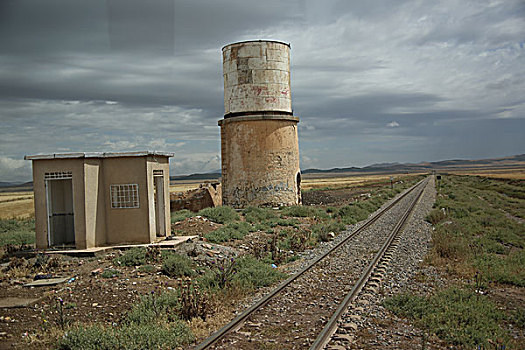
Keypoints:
pixel 172 242
pixel 12 302
pixel 47 282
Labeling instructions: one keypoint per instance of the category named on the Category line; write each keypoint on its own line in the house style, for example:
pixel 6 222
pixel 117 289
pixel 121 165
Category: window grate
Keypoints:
pixel 124 196
pixel 58 175
pixel 158 172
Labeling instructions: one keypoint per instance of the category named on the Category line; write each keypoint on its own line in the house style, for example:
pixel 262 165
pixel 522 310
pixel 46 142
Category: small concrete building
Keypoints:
pixel 259 142
pixel 86 200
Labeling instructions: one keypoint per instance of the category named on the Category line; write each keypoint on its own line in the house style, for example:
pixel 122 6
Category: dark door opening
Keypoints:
pixel 61 222
pixel 299 198
pixel 158 189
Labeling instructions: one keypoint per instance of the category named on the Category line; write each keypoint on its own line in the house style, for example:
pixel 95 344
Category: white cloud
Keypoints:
pixel 393 124
pixel 15 170
pixel 195 163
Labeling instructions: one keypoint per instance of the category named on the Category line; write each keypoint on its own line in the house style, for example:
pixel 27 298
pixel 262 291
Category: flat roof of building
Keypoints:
pixel 97 155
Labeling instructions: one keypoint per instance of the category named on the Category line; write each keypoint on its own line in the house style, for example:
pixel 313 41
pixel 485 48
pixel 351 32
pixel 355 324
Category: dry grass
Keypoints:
pixel 311 182
pixel 181 186
pixel 14 196
pixel 17 272
pixel 23 208
pixel 225 304
pixel 511 174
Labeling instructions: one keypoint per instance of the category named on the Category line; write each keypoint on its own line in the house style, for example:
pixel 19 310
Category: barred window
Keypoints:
pixel 124 196
pixel 58 175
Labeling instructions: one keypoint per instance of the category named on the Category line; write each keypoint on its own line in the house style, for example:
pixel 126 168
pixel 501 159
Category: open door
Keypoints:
pixel 160 212
pixel 298 180
pixel 61 218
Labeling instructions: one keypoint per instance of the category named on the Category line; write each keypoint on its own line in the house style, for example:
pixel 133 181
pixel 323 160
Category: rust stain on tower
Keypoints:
pixel 259 143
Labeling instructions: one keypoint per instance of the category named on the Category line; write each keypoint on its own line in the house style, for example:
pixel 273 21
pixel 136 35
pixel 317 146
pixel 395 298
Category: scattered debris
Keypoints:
pixel 47 282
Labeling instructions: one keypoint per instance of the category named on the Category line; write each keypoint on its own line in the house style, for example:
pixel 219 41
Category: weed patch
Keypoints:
pixel 252 273
pixel 232 231
pixel 459 316
pixel 17 232
pixel 220 215
pixel 130 336
pixel 153 323
pixel 110 273
pixel 255 215
pixel 175 265
pixel 321 231
pixel 181 215
pixel 132 257
pixel 477 236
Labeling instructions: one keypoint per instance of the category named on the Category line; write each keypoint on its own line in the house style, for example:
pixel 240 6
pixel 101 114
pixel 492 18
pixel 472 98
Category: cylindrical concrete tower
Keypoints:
pixel 259 144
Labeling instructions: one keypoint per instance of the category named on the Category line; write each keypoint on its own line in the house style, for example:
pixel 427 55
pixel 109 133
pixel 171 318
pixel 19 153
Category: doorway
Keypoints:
pixel 298 181
pixel 60 213
pixel 160 212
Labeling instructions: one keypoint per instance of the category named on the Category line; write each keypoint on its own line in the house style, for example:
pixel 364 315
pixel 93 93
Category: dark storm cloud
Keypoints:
pixel 372 81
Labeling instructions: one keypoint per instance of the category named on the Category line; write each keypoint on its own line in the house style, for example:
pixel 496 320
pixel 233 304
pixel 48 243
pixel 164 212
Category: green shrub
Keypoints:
pixel 252 273
pixel 154 336
pixel 436 216
pixel 181 215
pixel 175 265
pixel 220 275
pixel 518 317
pixel 254 214
pixel 147 269
pixel 110 273
pixel 459 316
pixel 223 234
pixel 287 222
pixel 88 338
pixel 449 245
pixel 17 232
pixel 232 231
pixel 132 257
pixel 351 214
pixel 152 307
pixel 503 269
pixel 322 230
pixel 130 336
pixel 220 215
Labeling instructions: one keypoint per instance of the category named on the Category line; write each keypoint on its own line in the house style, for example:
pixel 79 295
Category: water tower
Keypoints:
pixel 259 143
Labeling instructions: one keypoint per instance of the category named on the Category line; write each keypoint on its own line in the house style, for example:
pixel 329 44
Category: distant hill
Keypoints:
pixel 204 176
pixel 517 161
pixel 16 184
pixel 8 184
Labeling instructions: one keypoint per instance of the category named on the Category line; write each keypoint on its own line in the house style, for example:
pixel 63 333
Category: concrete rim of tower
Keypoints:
pixel 257 41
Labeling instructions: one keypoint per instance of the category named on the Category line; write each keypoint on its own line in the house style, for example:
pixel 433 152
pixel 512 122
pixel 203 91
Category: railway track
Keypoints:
pixel 303 311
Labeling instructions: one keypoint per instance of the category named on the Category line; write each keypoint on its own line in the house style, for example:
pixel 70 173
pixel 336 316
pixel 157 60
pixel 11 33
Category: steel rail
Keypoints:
pixel 239 319
pixel 331 326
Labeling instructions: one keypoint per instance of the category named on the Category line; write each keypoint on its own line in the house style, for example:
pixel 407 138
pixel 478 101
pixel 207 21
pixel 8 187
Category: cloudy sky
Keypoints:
pixel 372 81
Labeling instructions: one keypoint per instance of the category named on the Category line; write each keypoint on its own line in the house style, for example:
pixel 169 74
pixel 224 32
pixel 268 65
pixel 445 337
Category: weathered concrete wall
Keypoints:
pixel 95 203
pixel 128 225
pixel 256 77
pixel 260 162
pixel 206 196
